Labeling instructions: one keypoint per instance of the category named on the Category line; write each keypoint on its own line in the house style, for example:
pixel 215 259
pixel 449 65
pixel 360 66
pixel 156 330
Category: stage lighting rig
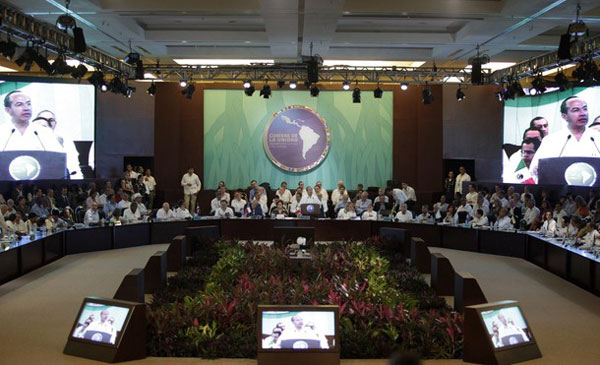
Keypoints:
pixel 427 95
pixel 314 91
pixel 8 48
pixel 460 95
pixel 539 85
pixel 189 91
pixel 249 90
pixel 561 81
pixel 378 93
pixel 152 89
pixel 266 91
pixel 356 95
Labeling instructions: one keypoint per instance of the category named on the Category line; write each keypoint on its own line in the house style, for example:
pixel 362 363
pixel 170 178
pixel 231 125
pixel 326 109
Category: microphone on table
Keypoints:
pixel 564 145
pixel 8 139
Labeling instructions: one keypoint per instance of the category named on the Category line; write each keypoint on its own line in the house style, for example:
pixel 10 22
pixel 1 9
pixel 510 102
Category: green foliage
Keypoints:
pixel 209 308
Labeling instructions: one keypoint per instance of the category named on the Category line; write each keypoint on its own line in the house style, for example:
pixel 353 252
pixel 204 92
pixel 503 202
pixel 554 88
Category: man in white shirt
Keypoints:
pixel 411 196
pixel 104 325
pixel 471 195
pixel 150 183
pixel 336 195
pixel 295 205
pixel 549 226
pixel 362 203
pixel 425 216
pixel 574 141
pixel 310 197
pixel 324 192
pixel 301 186
pixel 399 196
pixel 215 203
pixel 404 215
pixel 298 331
pixel 132 214
pixel 165 213
pixel 503 221
pixel 224 211
pixel 515 172
pixel 191 186
pixel 441 206
pixel 238 204
pixel 480 205
pixel 181 213
pixel 532 213
pixel 369 214
pixel 460 178
pixel 124 203
pixel 91 215
pixel 284 194
pixel 129 173
pixel 137 198
pixel 21 135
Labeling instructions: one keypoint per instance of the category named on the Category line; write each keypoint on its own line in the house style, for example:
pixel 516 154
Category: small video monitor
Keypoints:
pixel 298 328
pixel 498 333
pixel 506 326
pixel 100 323
pixel 108 330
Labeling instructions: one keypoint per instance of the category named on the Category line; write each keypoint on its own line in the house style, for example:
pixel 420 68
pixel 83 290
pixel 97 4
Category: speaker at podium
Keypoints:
pixel 580 171
pixel 33 165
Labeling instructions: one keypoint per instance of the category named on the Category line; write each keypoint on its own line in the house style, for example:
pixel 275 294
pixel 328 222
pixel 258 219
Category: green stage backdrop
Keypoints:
pixel 361 138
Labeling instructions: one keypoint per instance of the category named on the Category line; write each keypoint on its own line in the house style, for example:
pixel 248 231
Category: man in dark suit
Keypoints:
pixel 64 200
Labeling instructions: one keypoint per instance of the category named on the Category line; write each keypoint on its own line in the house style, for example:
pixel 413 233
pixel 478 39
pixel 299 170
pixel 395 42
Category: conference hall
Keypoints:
pixel 294 182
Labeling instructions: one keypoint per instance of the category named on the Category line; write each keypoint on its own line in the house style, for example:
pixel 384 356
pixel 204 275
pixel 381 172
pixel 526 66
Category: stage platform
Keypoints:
pixel 38 308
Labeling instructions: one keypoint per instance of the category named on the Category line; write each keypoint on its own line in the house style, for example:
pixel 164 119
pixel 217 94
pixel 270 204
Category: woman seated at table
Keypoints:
pixel 347 213
pixel 279 211
pixel 479 220
pixel 573 228
pixel 549 225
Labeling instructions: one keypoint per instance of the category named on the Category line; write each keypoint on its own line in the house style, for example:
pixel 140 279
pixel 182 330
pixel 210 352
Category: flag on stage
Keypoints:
pixel 523 175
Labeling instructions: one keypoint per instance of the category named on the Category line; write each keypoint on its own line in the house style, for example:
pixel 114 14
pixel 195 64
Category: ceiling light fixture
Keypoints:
pixel 293 85
pixel 404 86
pixel 346 85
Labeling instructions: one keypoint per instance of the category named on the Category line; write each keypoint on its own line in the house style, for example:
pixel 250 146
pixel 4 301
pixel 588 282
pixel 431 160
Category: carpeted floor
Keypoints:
pixel 37 310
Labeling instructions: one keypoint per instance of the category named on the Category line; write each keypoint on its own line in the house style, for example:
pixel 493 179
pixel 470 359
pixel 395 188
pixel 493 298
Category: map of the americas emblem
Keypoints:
pixel 296 138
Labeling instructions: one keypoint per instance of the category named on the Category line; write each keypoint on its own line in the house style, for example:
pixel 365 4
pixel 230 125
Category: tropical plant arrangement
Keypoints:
pixel 209 309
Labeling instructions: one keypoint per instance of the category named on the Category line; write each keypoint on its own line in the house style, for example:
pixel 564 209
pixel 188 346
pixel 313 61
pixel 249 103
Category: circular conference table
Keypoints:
pixel 577 266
